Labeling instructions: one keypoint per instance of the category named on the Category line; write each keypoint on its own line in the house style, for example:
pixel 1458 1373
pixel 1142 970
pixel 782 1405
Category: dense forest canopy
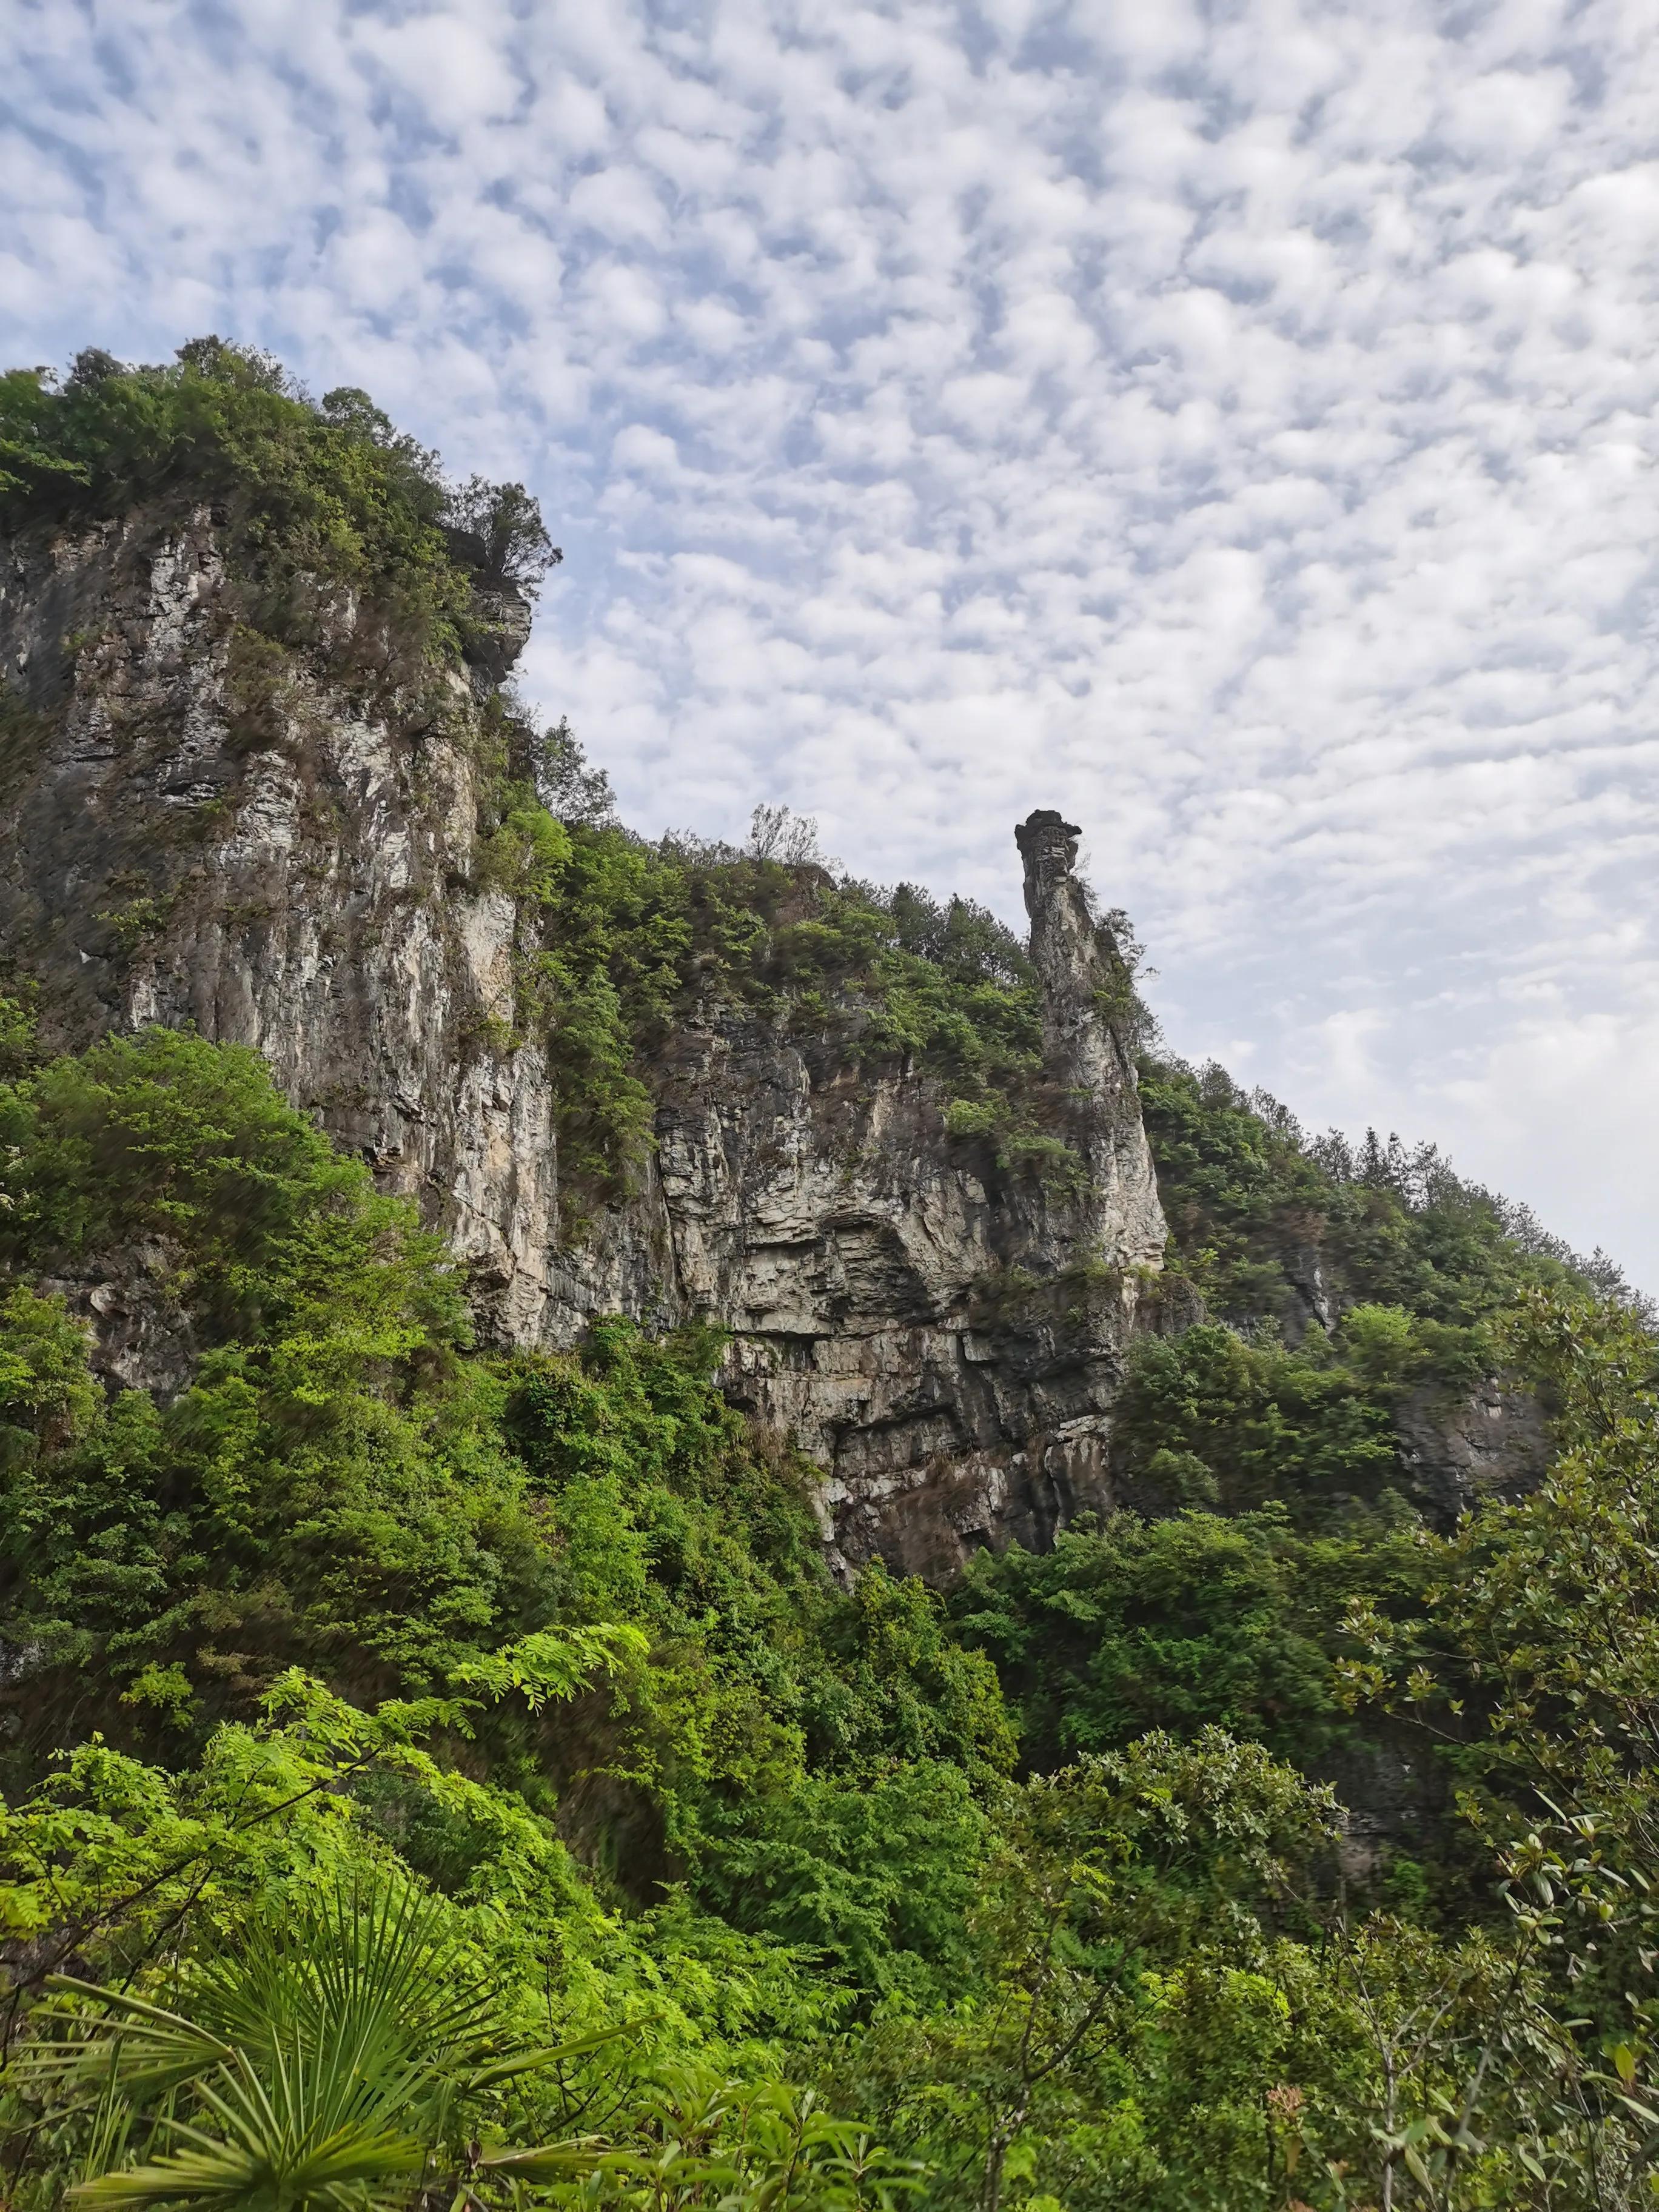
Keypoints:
pixel 432 1773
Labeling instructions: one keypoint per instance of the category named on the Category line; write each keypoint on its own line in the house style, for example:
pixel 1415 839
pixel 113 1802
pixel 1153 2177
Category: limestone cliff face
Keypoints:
pixel 290 873
pixel 287 857
pixel 867 1266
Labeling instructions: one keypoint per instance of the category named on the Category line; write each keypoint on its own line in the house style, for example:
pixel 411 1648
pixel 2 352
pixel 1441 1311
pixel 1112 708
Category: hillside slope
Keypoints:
pixel 498 1318
pixel 269 784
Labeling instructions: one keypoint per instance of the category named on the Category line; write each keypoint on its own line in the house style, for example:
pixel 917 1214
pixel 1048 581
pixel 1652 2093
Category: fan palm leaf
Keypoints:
pixel 327 2062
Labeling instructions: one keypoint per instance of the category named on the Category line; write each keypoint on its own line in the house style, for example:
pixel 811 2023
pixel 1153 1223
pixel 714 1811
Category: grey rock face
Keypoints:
pixel 286 867
pixel 292 874
pixel 1494 1443
pixel 947 1351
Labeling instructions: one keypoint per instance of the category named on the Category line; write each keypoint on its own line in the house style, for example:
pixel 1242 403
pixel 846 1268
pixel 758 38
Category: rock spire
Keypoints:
pixel 1088 1006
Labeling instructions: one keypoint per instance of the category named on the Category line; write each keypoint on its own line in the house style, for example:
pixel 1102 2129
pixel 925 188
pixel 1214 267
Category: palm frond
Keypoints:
pixel 145 2050
pixel 324 2062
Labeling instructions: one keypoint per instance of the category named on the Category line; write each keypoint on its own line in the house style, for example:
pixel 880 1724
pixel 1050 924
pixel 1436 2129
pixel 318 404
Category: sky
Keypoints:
pixel 1234 425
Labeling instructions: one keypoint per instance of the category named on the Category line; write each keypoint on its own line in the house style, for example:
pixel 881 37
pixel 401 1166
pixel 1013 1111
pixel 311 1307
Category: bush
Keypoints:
pixel 1182 1624
pixel 1255 1205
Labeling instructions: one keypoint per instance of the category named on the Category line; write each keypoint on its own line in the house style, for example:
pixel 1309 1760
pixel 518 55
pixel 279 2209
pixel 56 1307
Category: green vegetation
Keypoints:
pixel 1181 1624
pixel 496 1719
pixel 437 1777
pixel 1255 1206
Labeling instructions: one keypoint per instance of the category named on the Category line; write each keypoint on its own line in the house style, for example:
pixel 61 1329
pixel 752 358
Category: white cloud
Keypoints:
pixel 1237 429
pixel 456 67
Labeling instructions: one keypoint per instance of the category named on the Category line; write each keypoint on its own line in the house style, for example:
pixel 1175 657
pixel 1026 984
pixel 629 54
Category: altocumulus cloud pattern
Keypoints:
pixel 1234 424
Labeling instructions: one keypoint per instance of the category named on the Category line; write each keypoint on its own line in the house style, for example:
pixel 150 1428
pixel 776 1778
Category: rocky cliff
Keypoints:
pixel 283 846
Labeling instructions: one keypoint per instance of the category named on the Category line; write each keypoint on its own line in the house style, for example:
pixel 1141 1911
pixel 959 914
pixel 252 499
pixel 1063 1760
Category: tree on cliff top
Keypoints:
pixel 328 488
